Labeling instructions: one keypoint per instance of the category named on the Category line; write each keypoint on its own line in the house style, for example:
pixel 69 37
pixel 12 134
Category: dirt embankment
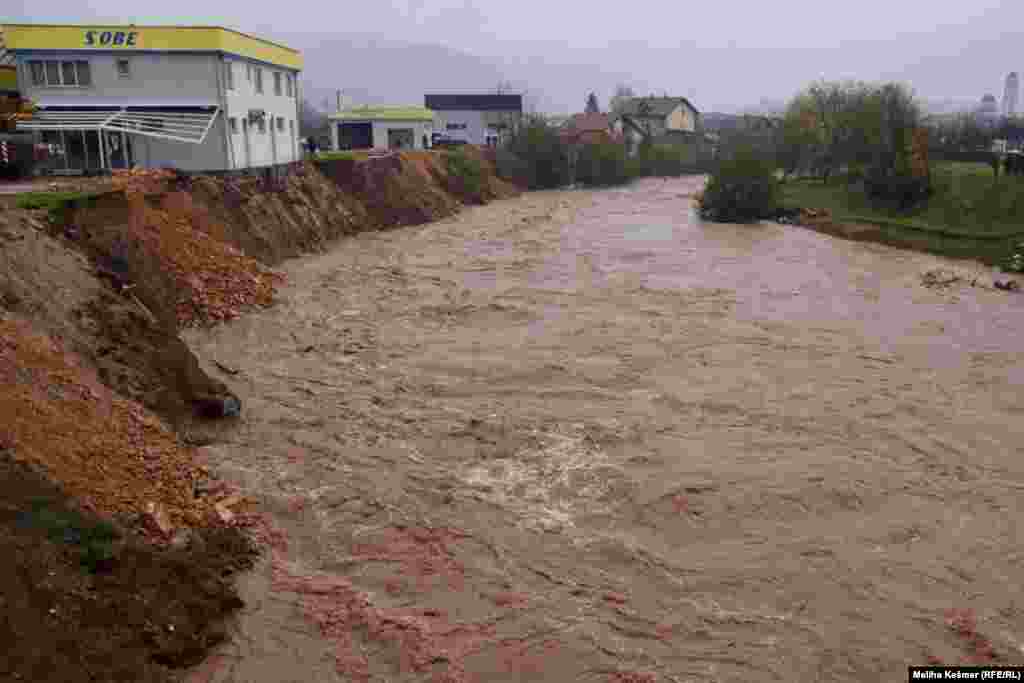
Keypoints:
pixel 100 399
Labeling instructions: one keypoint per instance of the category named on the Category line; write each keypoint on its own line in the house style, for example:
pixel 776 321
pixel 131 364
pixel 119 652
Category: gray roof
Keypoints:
pixel 474 102
pixel 659 107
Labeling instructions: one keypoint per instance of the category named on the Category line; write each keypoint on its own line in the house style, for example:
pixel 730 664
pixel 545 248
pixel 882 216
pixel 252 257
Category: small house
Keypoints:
pixel 656 119
pixel 583 129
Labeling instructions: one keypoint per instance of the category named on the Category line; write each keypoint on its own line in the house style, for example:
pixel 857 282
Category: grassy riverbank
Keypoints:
pixel 972 214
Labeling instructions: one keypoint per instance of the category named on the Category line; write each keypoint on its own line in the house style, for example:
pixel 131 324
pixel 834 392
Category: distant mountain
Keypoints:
pixel 375 70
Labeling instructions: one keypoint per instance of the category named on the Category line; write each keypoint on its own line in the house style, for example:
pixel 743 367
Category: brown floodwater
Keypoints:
pixel 585 436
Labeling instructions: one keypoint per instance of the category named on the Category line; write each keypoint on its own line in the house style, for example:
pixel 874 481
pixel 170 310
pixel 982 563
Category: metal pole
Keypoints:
pixel 124 149
pixel 103 151
pixel 85 153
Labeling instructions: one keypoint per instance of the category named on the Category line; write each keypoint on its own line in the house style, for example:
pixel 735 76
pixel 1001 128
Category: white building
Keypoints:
pixel 196 98
pixel 382 128
pixel 475 119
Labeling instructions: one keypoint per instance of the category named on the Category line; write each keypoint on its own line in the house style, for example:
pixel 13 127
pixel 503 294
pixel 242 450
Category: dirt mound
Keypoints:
pixel 106 451
pixel 133 614
pixel 159 240
pixel 394 189
pixel 49 280
pixel 305 213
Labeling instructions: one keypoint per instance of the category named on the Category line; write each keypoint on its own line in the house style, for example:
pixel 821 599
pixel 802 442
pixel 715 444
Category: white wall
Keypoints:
pixel 419 129
pixel 475 132
pixel 476 122
pixel 153 152
pixel 164 78
pixel 273 145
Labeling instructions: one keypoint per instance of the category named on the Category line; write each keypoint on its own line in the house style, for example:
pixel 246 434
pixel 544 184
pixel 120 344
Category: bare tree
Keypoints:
pixel 593 106
pixel 312 121
pixel 622 93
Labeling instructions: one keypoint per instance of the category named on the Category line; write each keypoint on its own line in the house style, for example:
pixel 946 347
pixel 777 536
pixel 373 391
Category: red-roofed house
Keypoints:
pixel 583 129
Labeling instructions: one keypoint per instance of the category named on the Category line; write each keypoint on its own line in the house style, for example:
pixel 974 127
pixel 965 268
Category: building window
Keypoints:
pixel 38 74
pixel 456 126
pixel 277 83
pixel 233 125
pixel 259 80
pixel 84 74
pixel 261 125
pixel 289 86
pixel 280 124
pixel 124 68
pixel 67 73
pixel 51 73
pixel 229 76
pixel 248 72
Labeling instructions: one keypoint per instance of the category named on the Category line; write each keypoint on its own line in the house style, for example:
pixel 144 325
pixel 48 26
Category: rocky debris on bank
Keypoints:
pixel 74 292
pixel 946 278
pixel 83 599
pixel 803 216
pixel 213 280
pixel 109 453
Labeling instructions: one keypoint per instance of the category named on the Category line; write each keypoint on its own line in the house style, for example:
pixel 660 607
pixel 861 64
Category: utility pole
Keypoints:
pixel 339 101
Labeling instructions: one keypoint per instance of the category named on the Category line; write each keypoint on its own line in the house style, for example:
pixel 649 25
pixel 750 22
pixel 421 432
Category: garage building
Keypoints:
pixel 382 128
pixel 198 98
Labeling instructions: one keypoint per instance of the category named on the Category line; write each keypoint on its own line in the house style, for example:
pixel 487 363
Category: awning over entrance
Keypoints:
pixel 180 124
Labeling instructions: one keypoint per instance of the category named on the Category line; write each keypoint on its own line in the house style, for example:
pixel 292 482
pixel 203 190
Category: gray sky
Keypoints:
pixel 723 56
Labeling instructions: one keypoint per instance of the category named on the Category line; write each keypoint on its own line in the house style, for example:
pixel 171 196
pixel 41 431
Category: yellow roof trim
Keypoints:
pixel 162 38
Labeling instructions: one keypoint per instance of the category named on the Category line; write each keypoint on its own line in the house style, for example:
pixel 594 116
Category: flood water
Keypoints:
pixel 584 436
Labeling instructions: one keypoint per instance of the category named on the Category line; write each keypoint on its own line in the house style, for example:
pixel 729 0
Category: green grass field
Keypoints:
pixel 972 214
pixel 328 156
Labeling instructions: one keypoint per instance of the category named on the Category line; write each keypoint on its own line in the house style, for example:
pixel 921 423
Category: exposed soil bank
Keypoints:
pixel 102 401
pixel 584 436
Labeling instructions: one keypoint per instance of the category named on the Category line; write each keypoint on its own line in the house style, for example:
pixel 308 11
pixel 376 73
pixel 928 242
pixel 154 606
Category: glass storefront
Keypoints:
pixel 80 151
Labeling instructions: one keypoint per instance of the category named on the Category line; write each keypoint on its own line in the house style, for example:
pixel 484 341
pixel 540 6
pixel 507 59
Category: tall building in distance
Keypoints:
pixel 1011 94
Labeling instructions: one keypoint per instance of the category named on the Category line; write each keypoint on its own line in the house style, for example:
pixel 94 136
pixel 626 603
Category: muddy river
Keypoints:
pixel 583 436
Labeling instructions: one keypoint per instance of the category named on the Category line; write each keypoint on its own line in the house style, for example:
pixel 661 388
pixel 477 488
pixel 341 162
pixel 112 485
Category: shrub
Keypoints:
pixel 669 160
pixel 742 189
pixel 903 190
pixel 511 168
pixel 602 164
pixel 94 538
pixel 467 170
pixel 543 155
pixel 1015 262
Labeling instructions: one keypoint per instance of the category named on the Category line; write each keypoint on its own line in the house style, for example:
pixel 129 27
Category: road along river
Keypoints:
pixel 583 436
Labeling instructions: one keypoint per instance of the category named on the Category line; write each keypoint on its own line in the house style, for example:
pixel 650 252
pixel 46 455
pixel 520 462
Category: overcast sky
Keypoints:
pixel 722 55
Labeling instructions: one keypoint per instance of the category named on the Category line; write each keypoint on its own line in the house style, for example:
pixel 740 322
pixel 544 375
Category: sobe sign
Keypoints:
pixel 112 38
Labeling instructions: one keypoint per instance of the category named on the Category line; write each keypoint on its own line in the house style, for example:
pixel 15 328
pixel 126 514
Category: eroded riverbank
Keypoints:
pixel 582 436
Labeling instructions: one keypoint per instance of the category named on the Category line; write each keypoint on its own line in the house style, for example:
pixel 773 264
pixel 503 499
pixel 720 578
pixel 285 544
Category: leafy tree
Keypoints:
pixel 536 154
pixel 742 189
pixel 602 164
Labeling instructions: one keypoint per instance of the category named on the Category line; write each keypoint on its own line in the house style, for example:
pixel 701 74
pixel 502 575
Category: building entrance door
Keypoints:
pixel 118 146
